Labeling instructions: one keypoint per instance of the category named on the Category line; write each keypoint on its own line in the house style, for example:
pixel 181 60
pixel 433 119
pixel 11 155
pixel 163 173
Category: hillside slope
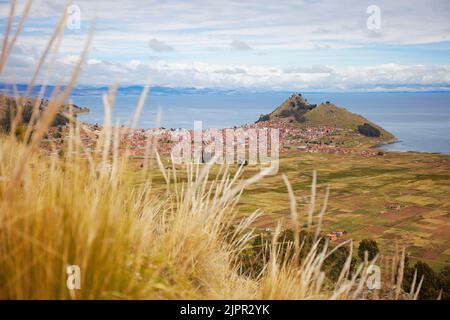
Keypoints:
pixel 297 111
pixel 328 114
pixel 8 105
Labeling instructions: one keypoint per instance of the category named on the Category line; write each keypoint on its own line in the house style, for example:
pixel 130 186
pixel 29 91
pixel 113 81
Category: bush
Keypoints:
pixel 434 283
pixel 429 289
pixel 253 261
pixel 369 131
pixel 370 246
pixel 444 282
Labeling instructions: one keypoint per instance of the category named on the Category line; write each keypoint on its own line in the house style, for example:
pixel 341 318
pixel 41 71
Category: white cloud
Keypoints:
pixel 73 59
pixel 267 24
pixel 133 64
pixel 199 74
pixel 282 35
pixel 159 46
pixel 94 61
pixel 240 45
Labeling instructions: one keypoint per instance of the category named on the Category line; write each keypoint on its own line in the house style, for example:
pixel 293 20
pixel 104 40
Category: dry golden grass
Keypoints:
pixel 130 241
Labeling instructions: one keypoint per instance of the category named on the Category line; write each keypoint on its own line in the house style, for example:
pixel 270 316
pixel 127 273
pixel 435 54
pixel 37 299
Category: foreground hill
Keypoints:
pixel 8 108
pixel 297 111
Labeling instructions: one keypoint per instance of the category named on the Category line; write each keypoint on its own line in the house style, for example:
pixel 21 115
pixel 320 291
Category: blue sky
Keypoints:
pixel 268 45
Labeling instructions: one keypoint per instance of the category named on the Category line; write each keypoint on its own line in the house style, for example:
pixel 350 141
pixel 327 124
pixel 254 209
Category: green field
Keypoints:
pixel 398 199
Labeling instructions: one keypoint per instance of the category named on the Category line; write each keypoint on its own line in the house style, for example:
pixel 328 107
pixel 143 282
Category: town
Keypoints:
pixel 138 142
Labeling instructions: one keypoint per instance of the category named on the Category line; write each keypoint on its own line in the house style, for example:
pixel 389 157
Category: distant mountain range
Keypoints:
pixel 161 90
pixel 126 90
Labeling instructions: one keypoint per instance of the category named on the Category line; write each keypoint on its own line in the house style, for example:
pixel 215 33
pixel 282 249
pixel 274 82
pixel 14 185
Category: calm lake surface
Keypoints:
pixel 421 121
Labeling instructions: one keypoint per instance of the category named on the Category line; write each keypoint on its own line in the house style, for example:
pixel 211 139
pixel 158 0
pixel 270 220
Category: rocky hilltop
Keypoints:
pixel 8 107
pixel 297 111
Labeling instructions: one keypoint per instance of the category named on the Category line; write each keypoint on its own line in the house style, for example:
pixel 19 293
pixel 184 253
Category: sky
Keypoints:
pixel 257 45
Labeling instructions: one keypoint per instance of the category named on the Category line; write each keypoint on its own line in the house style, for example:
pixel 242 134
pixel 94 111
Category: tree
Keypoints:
pixel 430 285
pixel 334 264
pixel 433 283
pixel 370 246
pixel 444 282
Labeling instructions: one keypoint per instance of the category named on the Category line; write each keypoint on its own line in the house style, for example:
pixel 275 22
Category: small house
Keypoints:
pixel 394 206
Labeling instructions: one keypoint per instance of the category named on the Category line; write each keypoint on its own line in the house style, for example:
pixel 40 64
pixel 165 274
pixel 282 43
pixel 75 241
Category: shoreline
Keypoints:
pixel 302 141
pixel 378 147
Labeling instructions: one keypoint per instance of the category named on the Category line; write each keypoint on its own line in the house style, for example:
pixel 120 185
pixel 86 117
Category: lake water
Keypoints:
pixel 421 121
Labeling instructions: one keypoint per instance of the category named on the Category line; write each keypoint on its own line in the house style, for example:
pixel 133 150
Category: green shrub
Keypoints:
pixel 369 131
pixel 370 246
